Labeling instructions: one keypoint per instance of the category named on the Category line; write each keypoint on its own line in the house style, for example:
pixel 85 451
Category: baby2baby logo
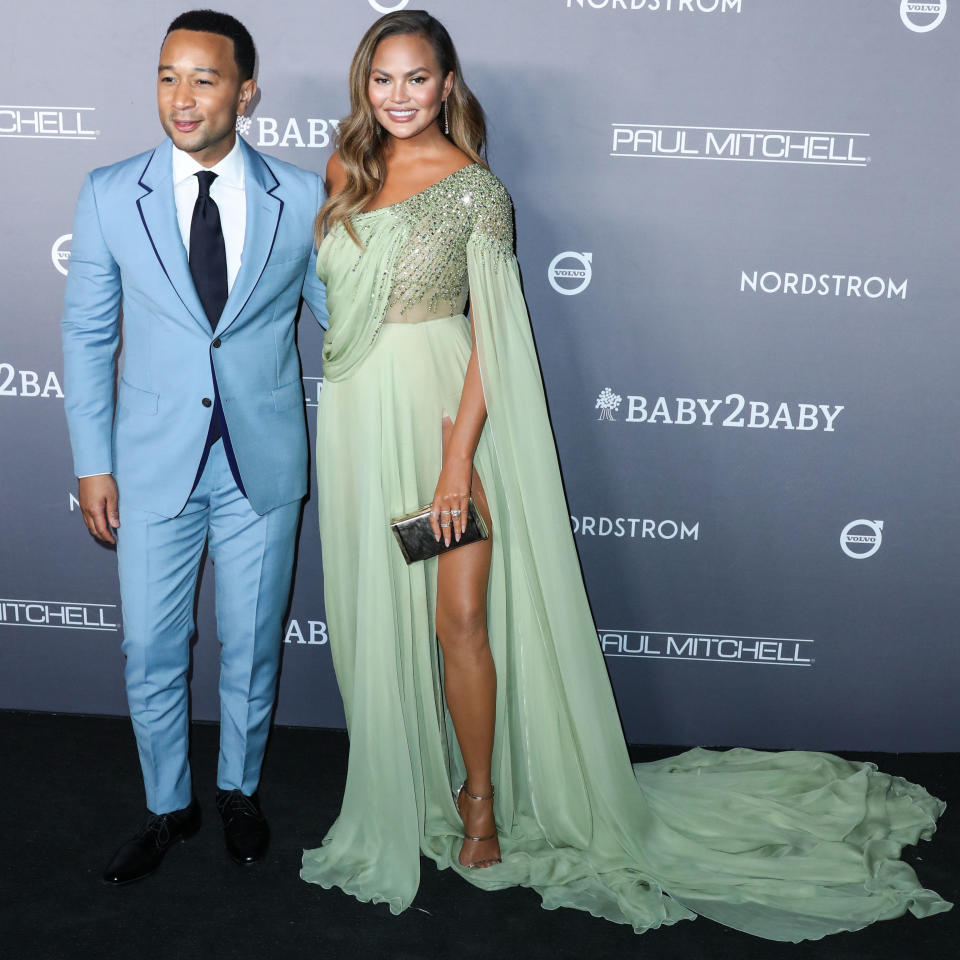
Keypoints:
pixel 734 410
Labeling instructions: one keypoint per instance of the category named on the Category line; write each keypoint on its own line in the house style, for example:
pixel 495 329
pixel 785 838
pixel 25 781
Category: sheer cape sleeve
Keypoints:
pixel 538 517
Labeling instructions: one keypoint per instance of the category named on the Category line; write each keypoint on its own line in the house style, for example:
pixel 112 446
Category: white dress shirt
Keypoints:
pixel 227 191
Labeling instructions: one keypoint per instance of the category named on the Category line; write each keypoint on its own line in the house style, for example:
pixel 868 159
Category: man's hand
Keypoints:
pixel 98 503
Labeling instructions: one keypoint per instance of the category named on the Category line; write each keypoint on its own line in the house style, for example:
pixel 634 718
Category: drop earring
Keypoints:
pixel 446 119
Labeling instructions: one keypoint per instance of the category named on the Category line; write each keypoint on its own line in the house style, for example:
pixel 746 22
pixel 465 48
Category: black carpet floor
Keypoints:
pixel 71 794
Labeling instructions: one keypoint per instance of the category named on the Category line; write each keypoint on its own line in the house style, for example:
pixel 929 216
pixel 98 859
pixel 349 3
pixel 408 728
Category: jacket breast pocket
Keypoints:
pixel 287 396
pixel 140 401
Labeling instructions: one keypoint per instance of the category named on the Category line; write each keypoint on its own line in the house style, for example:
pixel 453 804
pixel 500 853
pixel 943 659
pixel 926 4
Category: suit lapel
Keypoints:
pixel 263 222
pixel 158 212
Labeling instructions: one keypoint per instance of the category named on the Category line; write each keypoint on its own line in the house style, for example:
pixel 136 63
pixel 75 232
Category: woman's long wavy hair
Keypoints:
pixel 361 140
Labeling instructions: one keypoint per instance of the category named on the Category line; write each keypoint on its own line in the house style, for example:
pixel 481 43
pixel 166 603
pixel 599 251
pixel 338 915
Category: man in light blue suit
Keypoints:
pixel 206 245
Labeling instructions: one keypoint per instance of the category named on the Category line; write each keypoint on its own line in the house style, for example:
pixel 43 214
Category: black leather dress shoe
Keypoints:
pixel 245 828
pixel 139 857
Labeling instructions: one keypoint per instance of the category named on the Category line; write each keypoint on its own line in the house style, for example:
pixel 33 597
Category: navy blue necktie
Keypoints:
pixel 208 266
pixel 208 256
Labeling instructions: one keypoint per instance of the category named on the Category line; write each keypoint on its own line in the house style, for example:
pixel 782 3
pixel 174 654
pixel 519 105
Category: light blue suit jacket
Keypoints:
pixel 127 252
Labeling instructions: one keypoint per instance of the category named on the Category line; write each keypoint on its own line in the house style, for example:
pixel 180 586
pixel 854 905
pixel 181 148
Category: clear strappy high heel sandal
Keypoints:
pixel 489 861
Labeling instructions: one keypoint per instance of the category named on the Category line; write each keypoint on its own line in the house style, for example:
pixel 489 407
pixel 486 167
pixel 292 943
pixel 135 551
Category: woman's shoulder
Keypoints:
pixel 492 208
pixel 488 188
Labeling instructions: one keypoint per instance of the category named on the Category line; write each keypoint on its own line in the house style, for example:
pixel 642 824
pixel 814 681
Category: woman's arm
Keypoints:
pixel 336 175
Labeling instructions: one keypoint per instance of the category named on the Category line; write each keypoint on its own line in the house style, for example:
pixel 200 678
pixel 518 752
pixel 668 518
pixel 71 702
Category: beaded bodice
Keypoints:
pixel 429 276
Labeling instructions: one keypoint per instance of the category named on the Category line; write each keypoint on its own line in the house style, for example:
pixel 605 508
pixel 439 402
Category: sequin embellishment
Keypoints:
pixel 429 275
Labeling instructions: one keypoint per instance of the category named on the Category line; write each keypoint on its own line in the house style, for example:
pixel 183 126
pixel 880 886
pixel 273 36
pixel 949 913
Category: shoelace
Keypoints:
pixel 235 802
pixel 159 826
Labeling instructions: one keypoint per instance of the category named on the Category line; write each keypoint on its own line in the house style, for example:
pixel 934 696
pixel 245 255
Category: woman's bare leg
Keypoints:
pixel 469 675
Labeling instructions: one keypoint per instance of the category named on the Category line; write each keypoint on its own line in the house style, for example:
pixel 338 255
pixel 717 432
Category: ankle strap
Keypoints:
pixel 474 796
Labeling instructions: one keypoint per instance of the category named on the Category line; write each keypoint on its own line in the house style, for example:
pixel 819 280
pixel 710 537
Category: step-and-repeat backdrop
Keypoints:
pixel 738 229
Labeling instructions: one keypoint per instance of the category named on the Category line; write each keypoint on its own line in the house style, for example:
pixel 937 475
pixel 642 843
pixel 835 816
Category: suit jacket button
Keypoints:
pixel 207 402
pixel 216 342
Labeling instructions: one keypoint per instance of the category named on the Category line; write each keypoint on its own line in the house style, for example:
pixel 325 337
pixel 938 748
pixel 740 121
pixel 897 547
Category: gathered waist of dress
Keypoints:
pixel 415 321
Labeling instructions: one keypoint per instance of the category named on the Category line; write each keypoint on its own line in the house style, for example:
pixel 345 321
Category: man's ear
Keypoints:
pixel 247 90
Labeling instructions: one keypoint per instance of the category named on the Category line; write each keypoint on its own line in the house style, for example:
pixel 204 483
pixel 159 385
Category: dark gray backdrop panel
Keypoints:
pixel 729 609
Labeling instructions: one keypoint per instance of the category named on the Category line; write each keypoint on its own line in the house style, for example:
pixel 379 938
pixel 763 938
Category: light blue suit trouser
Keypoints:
pixel 159 560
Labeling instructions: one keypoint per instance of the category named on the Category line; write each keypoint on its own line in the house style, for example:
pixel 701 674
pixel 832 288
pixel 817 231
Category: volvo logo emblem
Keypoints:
pixel 570 278
pixel 916 15
pixel 861 538
pixel 60 253
pixel 388 8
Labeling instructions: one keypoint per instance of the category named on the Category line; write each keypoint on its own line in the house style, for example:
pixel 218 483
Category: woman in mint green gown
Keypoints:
pixel 788 846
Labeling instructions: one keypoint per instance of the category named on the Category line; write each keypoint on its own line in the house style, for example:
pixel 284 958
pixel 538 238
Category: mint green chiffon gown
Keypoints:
pixel 787 846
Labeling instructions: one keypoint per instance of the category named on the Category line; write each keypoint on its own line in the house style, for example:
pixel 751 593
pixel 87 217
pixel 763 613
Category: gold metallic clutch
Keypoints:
pixel 416 540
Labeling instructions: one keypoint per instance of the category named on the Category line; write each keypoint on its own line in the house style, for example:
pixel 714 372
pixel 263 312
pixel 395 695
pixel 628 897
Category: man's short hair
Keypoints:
pixel 210 21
